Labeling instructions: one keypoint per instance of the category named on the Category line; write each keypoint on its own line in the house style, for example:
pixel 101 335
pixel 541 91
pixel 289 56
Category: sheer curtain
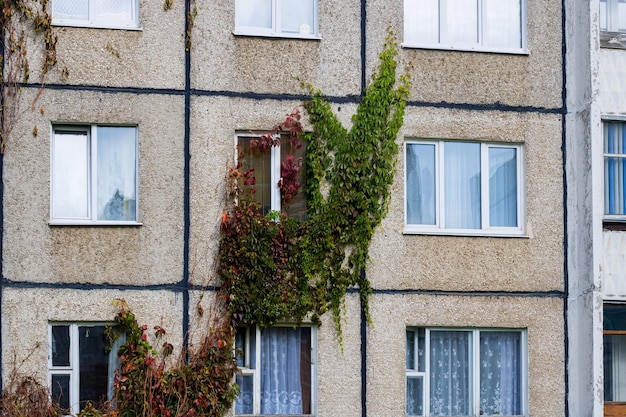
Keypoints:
pixel 450 375
pixel 462 185
pixel 420 183
pixel 500 373
pixel 502 187
pixel 281 390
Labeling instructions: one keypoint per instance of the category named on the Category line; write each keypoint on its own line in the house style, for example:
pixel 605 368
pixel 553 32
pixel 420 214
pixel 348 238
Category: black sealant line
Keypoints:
pixel 178 287
pixel 186 200
pixel 565 212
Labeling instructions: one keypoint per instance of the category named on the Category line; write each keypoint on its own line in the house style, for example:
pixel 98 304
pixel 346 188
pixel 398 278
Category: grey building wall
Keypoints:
pixel 187 114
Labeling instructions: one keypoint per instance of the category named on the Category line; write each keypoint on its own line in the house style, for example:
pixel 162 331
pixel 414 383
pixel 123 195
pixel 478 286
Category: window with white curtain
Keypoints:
pixel 276 370
pixel 481 25
pixel 94 174
pixel 113 14
pixel 80 367
pixel 615 353
pixel 470 372
pixel 614 172
pixel 280 18
pixel 613 15
pixel 456 187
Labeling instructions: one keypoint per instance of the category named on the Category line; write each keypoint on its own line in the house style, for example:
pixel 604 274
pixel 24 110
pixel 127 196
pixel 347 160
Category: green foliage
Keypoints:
pixel 288 269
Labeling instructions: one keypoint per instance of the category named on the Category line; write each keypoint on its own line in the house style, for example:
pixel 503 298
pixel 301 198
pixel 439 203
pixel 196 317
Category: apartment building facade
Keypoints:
pixel 120 193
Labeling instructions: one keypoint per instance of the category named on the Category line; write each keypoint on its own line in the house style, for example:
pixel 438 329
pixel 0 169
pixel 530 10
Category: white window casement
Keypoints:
pixel 467 25
pixel 464 188
pixel 614 347
pixel 110 14
pixel 277 372
pixel 466 372
pixel 80 367
pixel 267 172
pixel 94 175
pixel 613 15
pixel 614 170
pixel 277 18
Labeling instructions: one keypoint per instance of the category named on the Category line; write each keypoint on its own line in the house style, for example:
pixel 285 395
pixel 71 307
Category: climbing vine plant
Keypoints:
pixel 274 267
pixel 18 19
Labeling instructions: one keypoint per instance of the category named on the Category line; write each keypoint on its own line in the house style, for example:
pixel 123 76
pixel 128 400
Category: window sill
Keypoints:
pixel 466 233
pixel 90 25
pixel 480 49
pixel 612 40
pixel 90 223
pixel 275 35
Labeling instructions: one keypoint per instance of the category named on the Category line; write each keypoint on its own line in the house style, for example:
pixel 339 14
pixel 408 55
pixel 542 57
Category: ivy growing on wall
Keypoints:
pixel 276 268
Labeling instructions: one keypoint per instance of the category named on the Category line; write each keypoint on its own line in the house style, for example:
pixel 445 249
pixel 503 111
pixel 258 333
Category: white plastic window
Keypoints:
pixel 613 15
pixel 280 18
pixel 94 175
pixel 453 372
pixel 114 14
pixel 480 25
pixel 455 187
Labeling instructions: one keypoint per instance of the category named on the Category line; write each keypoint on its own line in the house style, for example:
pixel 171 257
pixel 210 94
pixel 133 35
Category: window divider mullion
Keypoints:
pixel 440 188
pixel 484 186
pixel 257 374
pixel 75 373
pixel 426 381
pixel 475 366
pixel 93 169
pixel 443 28
pixel 276 23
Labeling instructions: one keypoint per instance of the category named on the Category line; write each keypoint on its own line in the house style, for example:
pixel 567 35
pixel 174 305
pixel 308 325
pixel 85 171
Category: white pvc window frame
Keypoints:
pixel 485 230
pixel 91 137
pixel 479 46
pixel 97 20
pixel 246 370
pixel 475 365
pixel 610 15
pixel 276 30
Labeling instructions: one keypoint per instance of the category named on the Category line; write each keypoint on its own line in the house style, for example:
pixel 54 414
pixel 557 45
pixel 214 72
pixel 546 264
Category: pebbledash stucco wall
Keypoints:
pixel 238 84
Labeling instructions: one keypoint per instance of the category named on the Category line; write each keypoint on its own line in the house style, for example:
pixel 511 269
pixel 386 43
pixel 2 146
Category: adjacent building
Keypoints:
pixel 120 192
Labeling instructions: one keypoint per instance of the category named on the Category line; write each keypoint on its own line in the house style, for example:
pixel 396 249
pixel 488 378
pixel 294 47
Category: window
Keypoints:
pixel 465 372
pixel 94 174
pixel 269 169
pixel 615 359
pixel 277 370
pixel 282 18
pixel 114 14
pixel 481 25
pixel 456 187
pixel 80 369
pixel 613 15
pixel 614 173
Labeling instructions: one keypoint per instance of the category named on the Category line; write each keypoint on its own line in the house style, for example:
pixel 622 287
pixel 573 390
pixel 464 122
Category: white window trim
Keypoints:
pixel 275 30
pixel 475 371
pixel 256 373
pixel 132 23
pixel 91 131
pixel 478 47
pixel 439 228
pixel 617 218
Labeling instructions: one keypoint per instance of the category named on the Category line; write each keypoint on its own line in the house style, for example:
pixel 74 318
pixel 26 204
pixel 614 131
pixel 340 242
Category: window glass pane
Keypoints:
pixel 240 346
pixel 461 22
pixel 285 370
pixel 114 10
pixel 500 373
pixel 450 373
pixel 502 23
pixel 296 207
pixel 70 9
pixel 502 187
pixel 261 164
pixel 255 13
pixel 621 16
pixel 297 16
pixel 615 317
pixel 614 173
pixel 410 349
pixel 414 396
pixel 244 403
pixel 60 345
pixel 462 185
pixel 94 365
pixel 117 165
pixel 421 21
pixel 614 367
pixel 70 167
pixel 420 184
pixel 61 390
pixel 603 15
